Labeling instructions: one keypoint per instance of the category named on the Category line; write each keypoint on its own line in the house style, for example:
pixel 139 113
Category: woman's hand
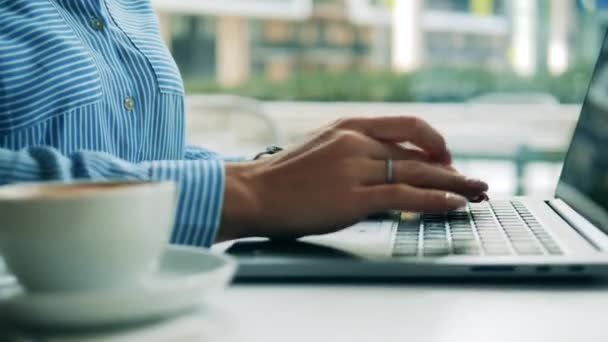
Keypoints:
pixel 338 177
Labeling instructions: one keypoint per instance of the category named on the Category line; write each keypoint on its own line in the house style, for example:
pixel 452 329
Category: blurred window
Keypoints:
pixel 404 56
pixel 475 40
pixel 451 5
pixel 276 31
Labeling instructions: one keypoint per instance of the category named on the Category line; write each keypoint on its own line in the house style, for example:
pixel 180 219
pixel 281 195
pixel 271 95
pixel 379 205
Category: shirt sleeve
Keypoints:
pixel 200 183
pixel 198 153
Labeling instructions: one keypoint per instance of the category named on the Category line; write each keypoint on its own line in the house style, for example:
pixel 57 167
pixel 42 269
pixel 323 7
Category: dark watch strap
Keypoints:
pixel 272 149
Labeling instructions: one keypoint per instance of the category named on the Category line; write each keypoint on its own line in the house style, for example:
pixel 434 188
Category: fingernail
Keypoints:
pixel 477 199
pixel 455 201
pixel 478 183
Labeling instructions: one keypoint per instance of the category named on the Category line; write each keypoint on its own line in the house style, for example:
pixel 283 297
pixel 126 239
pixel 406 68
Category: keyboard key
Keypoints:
pixel 528 250
pixel 436 252
pixel 407 244
pixel 461 229
pixel 462 235
pixel 494 244
pixel 435 243
pixel 406 241
pixel 467 251
pixel 472 244
pixel 468 236
pixel 405 253
pixel 498 252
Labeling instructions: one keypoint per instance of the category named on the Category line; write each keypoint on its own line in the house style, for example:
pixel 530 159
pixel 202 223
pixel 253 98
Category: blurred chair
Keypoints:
pixel 229 124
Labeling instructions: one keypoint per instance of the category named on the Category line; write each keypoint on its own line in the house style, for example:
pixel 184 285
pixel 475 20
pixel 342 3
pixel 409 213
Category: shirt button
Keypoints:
pixel 96 24
pixel 129 103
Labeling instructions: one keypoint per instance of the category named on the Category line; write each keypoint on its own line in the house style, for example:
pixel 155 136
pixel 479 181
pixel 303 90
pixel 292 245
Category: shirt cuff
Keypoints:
pixel 199 153
pixel 200 192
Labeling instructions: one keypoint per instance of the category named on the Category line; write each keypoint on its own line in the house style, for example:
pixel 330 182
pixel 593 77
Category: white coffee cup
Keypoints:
pixel 84 236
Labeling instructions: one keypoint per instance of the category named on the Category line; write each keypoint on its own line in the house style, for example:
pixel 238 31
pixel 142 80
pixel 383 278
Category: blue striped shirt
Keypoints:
pixel 89 91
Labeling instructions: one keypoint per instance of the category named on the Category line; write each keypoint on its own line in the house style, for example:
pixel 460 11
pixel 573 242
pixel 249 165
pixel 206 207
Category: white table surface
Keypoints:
pixel 388 312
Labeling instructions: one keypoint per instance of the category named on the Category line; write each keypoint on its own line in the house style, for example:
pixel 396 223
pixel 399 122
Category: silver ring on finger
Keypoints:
pixel 389 171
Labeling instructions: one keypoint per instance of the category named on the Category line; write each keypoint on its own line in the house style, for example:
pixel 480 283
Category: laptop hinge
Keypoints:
pixel 595 236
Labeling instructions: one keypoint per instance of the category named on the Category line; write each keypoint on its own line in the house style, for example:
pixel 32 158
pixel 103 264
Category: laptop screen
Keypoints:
pixel 584 181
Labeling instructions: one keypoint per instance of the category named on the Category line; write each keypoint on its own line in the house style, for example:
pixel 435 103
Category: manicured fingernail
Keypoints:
pixel 480 198
pixel 476 199
pixel 455 201
pixel 478 183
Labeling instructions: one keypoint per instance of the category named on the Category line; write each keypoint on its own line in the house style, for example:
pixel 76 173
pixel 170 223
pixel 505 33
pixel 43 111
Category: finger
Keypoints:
pixel 450 168
pixel 424 175
pixel 396 152
pixel 404 197
pixel 481 198
pixel 363 144
pixel 399 129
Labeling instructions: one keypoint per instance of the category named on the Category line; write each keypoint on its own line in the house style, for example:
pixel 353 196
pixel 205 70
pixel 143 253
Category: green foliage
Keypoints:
pixel 437 84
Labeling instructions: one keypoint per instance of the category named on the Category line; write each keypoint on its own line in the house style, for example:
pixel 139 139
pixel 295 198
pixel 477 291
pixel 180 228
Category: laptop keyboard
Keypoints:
pixel 495 228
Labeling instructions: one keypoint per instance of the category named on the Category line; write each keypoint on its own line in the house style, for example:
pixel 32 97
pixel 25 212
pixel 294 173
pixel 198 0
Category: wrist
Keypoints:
pixel 242 202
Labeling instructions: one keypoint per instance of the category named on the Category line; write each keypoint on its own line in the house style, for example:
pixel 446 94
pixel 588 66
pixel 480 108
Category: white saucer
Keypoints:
pixel 185 278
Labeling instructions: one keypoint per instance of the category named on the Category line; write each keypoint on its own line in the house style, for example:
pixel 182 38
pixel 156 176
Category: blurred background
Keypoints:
pixel 502 79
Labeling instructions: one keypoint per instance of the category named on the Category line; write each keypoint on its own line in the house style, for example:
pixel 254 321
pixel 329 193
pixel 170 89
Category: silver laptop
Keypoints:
pixel 566 236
